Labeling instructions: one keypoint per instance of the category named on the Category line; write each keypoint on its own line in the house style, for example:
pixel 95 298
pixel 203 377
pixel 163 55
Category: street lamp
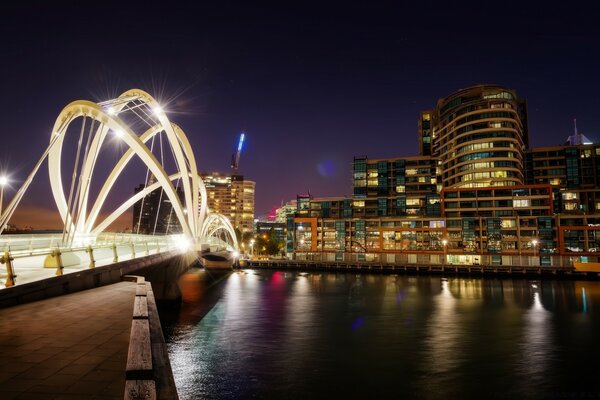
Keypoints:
pixel 534 243
pixel 445 243
pixel 3 182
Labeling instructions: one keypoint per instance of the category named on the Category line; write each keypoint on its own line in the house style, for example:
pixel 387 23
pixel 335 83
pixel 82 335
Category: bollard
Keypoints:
pixel 10 274
pixel 90 251
pixel 147 249
pixel 59 267
pixel 132 250
pixel 115 255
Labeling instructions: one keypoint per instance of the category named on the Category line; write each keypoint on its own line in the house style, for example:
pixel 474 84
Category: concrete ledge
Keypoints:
pixel 139 357
pixel 140 308
pixel 140 390
pixel 140 290
pixel 148 368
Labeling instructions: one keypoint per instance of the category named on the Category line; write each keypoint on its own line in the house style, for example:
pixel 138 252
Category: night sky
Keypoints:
pixel 312 85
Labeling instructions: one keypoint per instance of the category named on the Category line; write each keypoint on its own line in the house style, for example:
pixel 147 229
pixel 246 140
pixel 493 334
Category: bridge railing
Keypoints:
pixel 29 255
pixel 29 245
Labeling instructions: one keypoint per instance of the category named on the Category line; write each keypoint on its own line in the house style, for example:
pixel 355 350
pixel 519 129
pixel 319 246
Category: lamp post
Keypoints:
pixel 3 182
pixel 534 243
pixel 296 234
pixel 445 244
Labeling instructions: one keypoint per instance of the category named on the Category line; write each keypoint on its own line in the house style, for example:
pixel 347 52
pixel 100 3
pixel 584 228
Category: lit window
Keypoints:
pixel 509 223
pixel 521 203
pixel 569 196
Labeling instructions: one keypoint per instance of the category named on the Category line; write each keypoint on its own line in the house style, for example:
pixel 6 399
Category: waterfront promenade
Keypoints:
pixel 68 347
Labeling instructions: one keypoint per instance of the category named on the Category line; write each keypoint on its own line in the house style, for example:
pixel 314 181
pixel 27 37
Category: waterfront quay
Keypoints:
pixel 395 268
pixel 67 347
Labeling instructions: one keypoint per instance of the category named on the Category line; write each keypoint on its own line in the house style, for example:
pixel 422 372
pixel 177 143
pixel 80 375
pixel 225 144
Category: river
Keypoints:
pixel 289 335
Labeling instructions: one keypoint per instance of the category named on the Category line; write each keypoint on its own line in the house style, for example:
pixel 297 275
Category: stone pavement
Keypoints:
pixel 67 347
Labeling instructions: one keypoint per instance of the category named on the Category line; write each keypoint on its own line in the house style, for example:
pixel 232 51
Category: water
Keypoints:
pixel 265 334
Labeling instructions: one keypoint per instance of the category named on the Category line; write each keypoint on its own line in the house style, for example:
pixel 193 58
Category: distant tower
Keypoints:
pixel 577 138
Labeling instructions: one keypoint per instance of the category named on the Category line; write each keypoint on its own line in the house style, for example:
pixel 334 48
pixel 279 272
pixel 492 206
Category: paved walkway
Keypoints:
pixel 67 347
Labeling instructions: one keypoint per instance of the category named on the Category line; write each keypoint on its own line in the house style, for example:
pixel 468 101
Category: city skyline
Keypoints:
pixel 312 90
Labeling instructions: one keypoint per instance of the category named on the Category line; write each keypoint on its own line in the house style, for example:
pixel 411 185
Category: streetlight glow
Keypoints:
pixel 157 109
pixel 3 180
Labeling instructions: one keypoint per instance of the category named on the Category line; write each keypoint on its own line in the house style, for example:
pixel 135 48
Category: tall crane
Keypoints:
pixel 235 157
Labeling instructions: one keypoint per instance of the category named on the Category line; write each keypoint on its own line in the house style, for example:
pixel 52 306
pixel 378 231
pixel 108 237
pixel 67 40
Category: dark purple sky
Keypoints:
pixel 313 85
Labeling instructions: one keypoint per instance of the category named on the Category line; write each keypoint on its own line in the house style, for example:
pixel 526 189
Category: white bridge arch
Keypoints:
pixel 196 222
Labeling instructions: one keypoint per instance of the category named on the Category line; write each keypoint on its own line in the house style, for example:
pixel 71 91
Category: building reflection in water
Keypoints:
pixel 443 336
pixel 536 347
pixel 267 334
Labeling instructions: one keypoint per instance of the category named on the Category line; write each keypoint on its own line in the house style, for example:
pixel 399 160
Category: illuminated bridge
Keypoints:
pixel 138 125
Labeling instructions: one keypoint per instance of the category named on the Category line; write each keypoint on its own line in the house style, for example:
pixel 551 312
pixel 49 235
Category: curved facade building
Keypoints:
pixel 479 136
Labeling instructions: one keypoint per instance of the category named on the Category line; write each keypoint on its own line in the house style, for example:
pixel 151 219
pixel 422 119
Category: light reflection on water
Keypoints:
pixel 264 334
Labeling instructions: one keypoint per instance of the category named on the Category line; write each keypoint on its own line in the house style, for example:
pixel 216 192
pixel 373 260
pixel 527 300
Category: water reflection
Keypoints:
pixel 442 352
pixel 536 347
pixel 279 334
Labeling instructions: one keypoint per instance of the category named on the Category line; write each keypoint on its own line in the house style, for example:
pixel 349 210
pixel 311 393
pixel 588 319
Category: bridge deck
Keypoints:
pixel 73 346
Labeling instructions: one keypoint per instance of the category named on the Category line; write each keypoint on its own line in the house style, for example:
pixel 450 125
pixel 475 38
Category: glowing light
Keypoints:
pixel 182 242
pixel 444 242
pixel 236 254
pixel 157 110
pixel 241 142
pixel 3 180
pixel 111 111
pixel 119 133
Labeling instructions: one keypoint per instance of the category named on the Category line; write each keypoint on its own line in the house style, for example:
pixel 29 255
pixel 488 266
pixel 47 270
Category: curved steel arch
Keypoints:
pixel 94 111
pixel 192 213
pixel 215 222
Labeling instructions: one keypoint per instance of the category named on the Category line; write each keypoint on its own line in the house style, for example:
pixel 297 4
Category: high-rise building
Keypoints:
pixel 154 213
pixel 282 212
pixel 475 194
pixel 479 136
pixel 232 196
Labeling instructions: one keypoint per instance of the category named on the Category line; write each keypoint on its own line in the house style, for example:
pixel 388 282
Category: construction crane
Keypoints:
pixel 235 157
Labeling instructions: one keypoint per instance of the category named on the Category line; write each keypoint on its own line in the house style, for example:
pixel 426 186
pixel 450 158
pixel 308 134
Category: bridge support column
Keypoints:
pixel 115 254
pixel 10 274
pixel 90 251
pixel 147 249
pixel 132 250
